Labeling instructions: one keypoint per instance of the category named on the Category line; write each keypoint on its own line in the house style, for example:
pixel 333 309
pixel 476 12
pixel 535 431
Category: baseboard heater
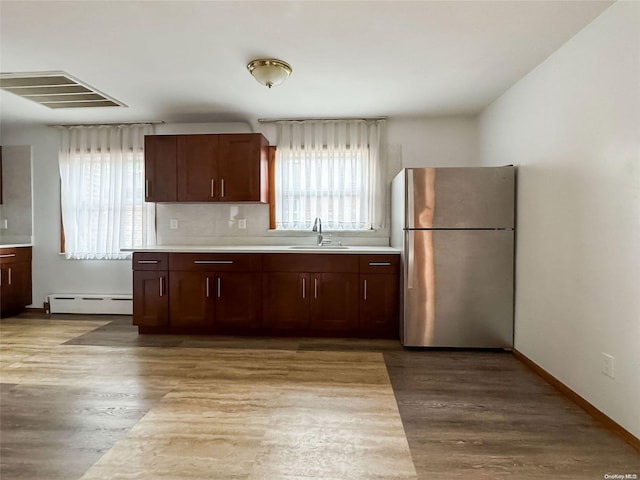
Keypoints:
pixel 86 303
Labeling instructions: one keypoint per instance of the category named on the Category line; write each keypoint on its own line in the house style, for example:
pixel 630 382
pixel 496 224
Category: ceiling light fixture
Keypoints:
pixel 269 71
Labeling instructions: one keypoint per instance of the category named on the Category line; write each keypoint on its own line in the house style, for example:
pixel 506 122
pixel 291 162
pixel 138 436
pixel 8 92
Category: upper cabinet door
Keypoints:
pixel 198 168
pixel 243 168
pixel 160 168
pixel 206 168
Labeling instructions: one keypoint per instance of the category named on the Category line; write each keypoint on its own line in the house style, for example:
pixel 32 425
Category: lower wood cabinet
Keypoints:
pixel 275 294
pixel 286 302
pixel 379 295
pixel 334 303
pixel 220 293
pixel 223 302
pixel 310 294
pixel 15 280
pixel 150 290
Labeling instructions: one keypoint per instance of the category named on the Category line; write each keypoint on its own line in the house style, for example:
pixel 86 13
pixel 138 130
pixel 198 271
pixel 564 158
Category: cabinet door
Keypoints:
pixel 379 306
pixel 192 299
pixel 150 298
pixel 8 291
pixel 160 168
pixel 197 168
pixel 15 287
pixel 238 301
pixel 334 302
pixel 286 301
pixel 240 168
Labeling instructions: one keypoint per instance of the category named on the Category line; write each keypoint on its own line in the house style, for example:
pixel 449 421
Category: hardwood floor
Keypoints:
pixel 86 397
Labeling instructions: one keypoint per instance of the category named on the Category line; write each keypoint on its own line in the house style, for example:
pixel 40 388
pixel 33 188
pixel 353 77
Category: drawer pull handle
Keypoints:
pixel 213 188
pixel 162 286
pixel 213 262
pixel 365 289
pixel 219 287
pixel 7 255
pixel 207 286
pixel 222 188
pixel 379 264
pixel 315 287
pixel 148 261
pixel 304 288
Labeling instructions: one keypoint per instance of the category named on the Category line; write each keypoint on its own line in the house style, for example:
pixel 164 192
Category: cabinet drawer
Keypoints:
pixel 150 261
pixel 310 262
pixel 219 262
pixel 15 254
pixel 379 263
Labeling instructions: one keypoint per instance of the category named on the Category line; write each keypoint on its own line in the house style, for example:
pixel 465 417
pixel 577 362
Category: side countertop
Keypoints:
pixel 15 245
pixel 372 250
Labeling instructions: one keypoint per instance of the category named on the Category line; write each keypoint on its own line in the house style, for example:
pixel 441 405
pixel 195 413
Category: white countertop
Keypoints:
pixel 266 249
pixel 15 245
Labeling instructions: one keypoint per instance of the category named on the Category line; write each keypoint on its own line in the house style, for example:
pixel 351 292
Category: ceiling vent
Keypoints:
pixel 55 90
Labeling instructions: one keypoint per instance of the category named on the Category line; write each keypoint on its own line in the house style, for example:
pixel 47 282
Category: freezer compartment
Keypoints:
pixel 458 288
pixel 473 197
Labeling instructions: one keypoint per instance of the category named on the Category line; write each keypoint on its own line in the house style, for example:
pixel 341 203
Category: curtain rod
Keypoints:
pixel 272 120
pixel 158 122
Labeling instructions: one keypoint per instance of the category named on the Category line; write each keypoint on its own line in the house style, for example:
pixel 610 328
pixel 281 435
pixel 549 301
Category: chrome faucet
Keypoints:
pixel 317 227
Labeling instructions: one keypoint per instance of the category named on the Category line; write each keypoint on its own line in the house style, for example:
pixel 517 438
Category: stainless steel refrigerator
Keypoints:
pixel 455 227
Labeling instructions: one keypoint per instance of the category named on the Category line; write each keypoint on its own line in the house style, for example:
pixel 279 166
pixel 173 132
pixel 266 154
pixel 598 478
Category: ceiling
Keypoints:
pixel 185 61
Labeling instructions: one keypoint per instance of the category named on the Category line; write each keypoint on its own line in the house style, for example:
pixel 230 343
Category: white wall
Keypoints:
pixel 573 127
pixel 412 142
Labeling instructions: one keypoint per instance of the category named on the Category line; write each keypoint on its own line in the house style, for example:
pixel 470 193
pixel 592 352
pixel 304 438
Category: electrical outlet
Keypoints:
pixel 607 365
pixel 242 223
pixel 4 224
pixel 173 224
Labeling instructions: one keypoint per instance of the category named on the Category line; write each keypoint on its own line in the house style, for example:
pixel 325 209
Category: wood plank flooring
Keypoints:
pixel 85 397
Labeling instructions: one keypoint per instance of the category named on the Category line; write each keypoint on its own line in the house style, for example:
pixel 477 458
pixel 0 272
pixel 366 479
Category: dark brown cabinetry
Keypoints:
pixel 150 289
pixel 310 293
pixel 206 168
pixel 276 293
pixel 15 280
pixel 160 168
pixel 379 295
pixel 215 292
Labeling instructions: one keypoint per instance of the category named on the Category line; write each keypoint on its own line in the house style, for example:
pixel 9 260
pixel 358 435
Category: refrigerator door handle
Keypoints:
pixel 409 221
pixel 409 239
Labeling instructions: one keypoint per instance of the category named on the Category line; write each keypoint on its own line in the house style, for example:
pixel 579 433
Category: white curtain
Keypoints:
pixel 102 191
pixel 330 169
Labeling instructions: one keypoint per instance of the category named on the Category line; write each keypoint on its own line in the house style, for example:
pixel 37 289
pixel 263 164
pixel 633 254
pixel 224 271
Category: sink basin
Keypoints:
pixel 315 247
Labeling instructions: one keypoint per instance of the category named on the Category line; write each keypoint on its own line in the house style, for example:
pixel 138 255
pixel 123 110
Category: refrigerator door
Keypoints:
pixel 474 197
pixel 458 288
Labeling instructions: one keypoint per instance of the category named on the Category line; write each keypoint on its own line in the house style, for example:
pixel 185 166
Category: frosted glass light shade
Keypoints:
pixel 269 71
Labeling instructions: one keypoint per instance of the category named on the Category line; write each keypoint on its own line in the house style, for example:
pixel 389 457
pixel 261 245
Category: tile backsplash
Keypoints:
pixel 219 224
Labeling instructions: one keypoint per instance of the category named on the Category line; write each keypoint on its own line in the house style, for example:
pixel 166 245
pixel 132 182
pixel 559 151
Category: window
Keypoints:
pixel 102 191
pixel 328 169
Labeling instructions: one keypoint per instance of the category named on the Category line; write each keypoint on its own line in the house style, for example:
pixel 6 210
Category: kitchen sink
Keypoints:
pixel 316 247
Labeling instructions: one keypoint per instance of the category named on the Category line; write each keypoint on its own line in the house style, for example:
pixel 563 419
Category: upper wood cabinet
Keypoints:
pixel 160 168
pixel 206 168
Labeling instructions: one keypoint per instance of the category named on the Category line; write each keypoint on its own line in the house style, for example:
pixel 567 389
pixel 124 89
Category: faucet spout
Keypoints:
pixel 317 227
